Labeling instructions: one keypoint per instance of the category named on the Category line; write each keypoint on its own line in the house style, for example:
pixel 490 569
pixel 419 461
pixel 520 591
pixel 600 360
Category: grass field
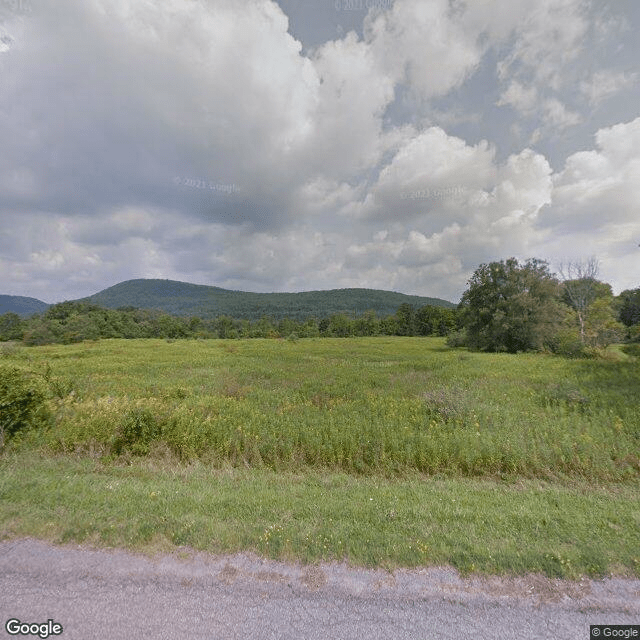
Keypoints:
pixel 380 451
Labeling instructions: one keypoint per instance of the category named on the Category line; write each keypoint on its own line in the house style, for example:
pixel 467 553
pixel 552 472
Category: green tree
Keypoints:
pixel 406 320
pixel 11 327
pixel 245 328
pixel 435 321
pixel 264 328
pixel 580 289
pixel 602 328
pixel 629 307
pixel 79 327
pixel 511 307
pixel 389 326
pixel 195 325
pixel 63 310
pixel 367 324
pixel 226 327
pixel 39 332
pixel 323 326
pixel 340 326
pixel 309 329
pixel 287 326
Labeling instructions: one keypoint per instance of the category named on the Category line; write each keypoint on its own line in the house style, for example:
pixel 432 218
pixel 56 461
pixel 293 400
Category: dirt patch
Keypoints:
pixel 269 576
pixel 314 578
pixel 229 574
pixel 537 587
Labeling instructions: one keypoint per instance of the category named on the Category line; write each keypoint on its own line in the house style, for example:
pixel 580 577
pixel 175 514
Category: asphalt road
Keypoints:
pixel 114 594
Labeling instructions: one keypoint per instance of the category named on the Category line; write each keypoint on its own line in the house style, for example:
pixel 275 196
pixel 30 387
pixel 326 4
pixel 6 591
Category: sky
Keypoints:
pixel 315 144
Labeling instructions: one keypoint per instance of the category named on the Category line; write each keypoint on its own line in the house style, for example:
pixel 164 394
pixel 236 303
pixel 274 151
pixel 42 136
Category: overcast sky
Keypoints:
pixel 315 144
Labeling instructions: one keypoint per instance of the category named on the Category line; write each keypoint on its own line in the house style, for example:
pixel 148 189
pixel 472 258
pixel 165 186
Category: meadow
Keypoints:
pixel 380 451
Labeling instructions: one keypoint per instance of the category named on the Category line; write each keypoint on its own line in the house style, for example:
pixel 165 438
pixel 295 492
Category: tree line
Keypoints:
pixel 70 322
pixel 507 306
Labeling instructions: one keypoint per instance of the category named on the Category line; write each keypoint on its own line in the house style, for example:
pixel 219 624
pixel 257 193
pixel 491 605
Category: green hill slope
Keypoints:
pixel 185 299
pixel 21 305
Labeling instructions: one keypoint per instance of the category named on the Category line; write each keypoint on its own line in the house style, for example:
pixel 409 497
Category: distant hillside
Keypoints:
pixel 184 299
pixel 21 305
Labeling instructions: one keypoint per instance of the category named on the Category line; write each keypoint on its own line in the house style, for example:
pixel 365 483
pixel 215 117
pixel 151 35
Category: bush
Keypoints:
pixel 39 334
pixel 634 333
pixel 631 350
pixel 457 338
pixel 138 430
pixel 567 343
pixel 9 349
pixel 22 402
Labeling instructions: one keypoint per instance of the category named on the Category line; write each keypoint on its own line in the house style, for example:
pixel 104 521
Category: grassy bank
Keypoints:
pixel 475 525
pixel 383 451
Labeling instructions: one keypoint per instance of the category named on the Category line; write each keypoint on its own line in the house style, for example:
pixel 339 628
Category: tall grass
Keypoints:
pixel 563 530
pixel 363 406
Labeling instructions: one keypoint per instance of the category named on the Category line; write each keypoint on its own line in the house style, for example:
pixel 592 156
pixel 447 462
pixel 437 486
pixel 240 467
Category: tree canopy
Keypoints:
pixel 512 307
pixel 630 307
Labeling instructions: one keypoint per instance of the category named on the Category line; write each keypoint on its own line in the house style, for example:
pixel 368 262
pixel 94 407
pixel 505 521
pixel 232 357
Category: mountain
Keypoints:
pixel 185 299
pixel 21 305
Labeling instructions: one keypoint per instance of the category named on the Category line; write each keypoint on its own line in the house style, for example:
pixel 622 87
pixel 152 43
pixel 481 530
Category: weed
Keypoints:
pixel 447 404
pixel 137 431
pixel 10 349
pixel 22 402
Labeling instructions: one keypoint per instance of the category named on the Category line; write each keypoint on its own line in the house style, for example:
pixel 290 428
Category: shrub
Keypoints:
pixel 565 394
pixel 137 431
pixel 631 350
pixel 9 349
pixel 448 405
pixel 567 343
pixel 38 334
pixel 457 338
pixel 22 402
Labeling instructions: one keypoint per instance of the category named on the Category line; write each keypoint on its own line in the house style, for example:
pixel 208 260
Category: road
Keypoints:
pixel 186 595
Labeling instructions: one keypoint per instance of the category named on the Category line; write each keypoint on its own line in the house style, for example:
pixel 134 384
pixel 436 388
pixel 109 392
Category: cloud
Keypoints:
pixel 201 141
pixel 596 203
pixel 429 176
pixel 496 216
pixel 519 97
pixel 353 94
pixel 549 35
pixel 604 84
pixel 115 126
pixel 558 115
pixel 424 45
pixel 605 179
pixel 536 44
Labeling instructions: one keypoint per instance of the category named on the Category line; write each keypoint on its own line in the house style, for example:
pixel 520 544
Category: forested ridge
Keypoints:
pixel 206 302
pixel 508 306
